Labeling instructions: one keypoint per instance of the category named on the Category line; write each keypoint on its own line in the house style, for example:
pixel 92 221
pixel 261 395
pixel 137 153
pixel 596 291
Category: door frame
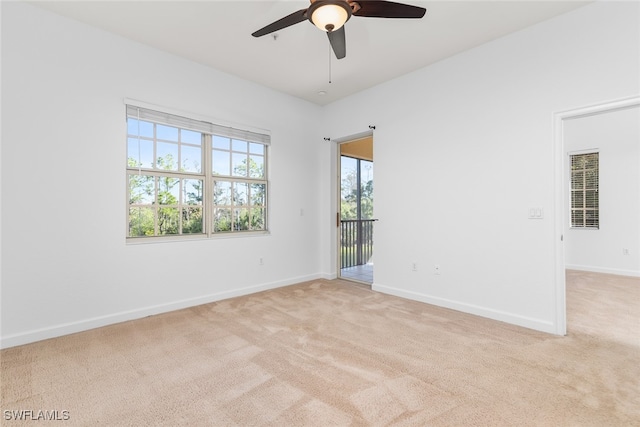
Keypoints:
pixel 560 202
pixel 338 189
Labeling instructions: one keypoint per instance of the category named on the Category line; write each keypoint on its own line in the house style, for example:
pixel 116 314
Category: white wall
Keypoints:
pixel 465 147
pixel 616 135
pixel 65 263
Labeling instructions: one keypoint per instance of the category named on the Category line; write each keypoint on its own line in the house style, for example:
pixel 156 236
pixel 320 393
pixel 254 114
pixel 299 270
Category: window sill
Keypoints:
pixel 200 237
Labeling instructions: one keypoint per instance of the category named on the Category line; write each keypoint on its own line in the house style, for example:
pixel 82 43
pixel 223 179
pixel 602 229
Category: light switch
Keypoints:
pixel 536 213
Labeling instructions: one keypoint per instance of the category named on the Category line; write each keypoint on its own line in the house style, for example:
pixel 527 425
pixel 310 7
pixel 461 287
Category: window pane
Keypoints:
pixel 167 156
pixel 241 190
pixel 256 167
pixel 577 162
pixel 239 164
pixel 591 218
pixel 168 190
pixel 141 222
pixel 139 127
pixel 139 153
pixel 256 148
pixel 222 220
pixel 191 159
pixel 222 193
pixel 221 163
pixel 221 142
pixel 591 179
pixel 141 189
pixel 591 199
pixel 167 133
pixel 577 199
pixel 577 218
pixel 192 220
pixel 167 221
pixel 192 191
pixel 190 137
pixel 257 219
pixel 241 219
pixel 591 161
pixel 577 180
pixel 258 193
pixel 132 126
pixel 238 145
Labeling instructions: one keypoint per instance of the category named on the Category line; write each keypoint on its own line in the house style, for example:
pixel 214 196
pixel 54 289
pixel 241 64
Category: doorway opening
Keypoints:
pixel 355 218
pixel 562 198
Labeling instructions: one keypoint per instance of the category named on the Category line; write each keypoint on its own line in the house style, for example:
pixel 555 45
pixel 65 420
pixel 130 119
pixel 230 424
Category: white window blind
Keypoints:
pixel 196 125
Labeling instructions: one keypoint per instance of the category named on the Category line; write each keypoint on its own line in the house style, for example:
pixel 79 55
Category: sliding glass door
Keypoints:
pixel 356 219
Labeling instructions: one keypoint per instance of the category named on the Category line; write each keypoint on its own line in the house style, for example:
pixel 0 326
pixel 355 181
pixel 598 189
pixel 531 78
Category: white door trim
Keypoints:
pixel 559 199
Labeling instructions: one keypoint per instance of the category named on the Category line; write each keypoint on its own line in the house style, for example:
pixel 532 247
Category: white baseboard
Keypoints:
pixel 111 319
pixel 605 270
pixel 514 319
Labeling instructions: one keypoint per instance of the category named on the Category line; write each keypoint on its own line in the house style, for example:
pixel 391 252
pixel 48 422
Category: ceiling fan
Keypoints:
pixel 331 15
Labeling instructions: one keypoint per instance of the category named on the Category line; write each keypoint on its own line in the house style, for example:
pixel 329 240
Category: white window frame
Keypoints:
pixel 594 190
pixel 254 140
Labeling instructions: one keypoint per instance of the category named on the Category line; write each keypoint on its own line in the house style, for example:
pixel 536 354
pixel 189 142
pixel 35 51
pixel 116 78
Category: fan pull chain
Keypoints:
pixel 329 63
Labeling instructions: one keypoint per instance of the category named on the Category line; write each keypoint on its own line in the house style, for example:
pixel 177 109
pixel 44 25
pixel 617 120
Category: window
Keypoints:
pixel 584 191
pixel 239 188
pixel 192 178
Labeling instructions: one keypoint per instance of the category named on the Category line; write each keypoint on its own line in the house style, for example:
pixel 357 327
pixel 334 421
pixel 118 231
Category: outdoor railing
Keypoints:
pixel 356 241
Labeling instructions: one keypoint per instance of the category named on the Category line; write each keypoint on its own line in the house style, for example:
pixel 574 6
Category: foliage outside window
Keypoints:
pixel 186 177
pixel 584 191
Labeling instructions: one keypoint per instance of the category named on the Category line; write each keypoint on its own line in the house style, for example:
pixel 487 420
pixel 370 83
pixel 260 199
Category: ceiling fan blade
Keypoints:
pixel 388 9
pixel 287 21
pixel 338 42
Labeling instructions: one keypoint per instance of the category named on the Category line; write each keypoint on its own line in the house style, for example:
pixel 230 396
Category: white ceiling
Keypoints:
pixel 218 34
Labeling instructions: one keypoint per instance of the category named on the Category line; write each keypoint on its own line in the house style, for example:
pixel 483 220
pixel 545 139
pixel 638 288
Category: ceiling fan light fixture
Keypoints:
pixel 329 15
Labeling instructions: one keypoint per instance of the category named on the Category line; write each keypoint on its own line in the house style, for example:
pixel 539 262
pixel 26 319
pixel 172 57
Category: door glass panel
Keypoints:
pixel 356 219
pixel 348 188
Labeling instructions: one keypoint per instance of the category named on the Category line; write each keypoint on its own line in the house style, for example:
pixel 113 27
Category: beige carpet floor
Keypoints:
pixel 332 353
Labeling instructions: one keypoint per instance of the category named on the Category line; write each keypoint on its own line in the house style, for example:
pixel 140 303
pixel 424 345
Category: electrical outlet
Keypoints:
pixel 414 266
pixel 261 261
pixel 436 269
pixel 625 251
